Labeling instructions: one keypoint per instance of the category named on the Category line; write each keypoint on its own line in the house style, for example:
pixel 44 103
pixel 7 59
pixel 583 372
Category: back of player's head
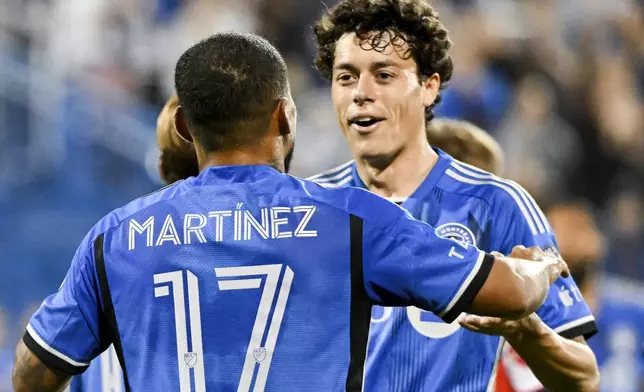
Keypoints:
pixel 228 87
pixel 394 22
pixel 466 142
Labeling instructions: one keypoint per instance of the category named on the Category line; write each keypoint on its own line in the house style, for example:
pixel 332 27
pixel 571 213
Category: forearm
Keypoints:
pixel 532 282
pixel 31 375
pixel 514 288
pixel 560 364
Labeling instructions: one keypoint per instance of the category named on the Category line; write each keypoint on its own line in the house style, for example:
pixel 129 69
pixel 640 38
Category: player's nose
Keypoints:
pixel 362 92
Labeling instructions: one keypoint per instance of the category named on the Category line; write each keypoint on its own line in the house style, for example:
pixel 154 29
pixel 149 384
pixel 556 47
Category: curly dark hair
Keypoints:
pixel 394 22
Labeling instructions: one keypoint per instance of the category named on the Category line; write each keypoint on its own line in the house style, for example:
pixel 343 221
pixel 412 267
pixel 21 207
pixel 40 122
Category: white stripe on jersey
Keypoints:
pixel 338 184
pixel 521 206
pixel 335 177
pixel 536 213
pixel 506 188
pixel 34 335
pixel 465 285
pixel 323 176
pixel 574 324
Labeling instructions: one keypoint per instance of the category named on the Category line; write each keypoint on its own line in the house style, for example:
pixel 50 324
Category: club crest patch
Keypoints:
pixel 457 232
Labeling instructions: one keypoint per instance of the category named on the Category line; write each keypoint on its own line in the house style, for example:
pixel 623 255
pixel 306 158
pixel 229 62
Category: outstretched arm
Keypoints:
pixel 31 375
pixel 517 285
pixel 560 364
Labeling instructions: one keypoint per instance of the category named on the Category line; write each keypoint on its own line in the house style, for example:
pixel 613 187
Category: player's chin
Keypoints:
pixel 373 149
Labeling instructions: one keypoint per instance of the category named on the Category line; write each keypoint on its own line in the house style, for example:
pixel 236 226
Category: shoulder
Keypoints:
pixel 334 178
pixel 506 198
pixel 117 216
pixel 362 203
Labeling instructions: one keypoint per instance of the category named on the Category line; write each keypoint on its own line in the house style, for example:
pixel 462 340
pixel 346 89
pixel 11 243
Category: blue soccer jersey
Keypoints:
pixel 103 375
pixel 412 350
pixel 246 278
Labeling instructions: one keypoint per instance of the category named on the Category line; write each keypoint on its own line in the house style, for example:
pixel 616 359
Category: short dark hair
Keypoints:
pixel 228 86
pixel 413 22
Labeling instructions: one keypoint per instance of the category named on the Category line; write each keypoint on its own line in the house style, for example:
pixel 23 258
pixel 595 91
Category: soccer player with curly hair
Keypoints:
pixel 387 61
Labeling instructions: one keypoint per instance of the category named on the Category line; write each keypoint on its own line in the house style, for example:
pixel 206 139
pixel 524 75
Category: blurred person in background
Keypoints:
pixel 467 143
pixel 177 161
pixel 626 250
pixel 388 61
pixel 615 301
pixel 542 150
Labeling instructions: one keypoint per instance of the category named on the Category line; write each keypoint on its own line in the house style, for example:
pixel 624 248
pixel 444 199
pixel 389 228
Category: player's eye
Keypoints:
pixel 384 76
pixel 345 78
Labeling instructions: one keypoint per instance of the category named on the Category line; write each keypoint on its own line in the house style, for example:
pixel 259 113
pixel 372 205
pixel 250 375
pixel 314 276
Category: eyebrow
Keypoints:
pixel 373 67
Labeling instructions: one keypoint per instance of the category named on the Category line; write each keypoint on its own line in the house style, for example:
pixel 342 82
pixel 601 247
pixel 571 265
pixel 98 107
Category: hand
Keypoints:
pixel 534 253
pixel 499 327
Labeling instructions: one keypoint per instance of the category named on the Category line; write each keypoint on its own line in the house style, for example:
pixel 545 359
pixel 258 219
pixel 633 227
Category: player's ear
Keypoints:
pixel 180 125
pixel 430 86
pixel 285 113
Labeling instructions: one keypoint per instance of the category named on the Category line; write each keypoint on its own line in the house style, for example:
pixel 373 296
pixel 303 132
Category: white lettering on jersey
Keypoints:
pixel 453 253
pixel 219 221
pixel 197 228
pixel 250 222
pixel 168 232
pixel 189 229
pixel 276 222
pixel 301 231
pixel 136 228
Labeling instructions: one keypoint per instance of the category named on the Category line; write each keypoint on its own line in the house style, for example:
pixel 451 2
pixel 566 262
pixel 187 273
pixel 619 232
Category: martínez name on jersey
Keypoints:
pixel 216 226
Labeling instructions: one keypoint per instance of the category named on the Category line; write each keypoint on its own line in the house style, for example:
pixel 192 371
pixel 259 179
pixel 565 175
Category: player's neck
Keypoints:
pixel 254 155
pixel 401 176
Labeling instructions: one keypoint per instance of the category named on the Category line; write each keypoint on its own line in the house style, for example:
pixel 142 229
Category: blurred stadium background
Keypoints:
pixel 559 83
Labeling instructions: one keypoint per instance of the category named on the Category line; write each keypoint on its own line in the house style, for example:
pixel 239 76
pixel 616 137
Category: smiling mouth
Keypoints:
pixel 364 124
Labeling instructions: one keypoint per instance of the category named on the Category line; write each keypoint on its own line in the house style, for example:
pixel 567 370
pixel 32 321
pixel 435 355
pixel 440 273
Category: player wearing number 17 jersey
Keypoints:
pixel 244 277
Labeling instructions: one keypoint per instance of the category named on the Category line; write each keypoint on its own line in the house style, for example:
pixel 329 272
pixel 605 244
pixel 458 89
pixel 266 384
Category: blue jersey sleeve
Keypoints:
pixel 521 222
pixel 407 264
pixel 64 333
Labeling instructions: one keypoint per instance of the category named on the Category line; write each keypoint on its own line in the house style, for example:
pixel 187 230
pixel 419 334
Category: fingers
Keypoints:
pixel 469 327
pixel 565 270
pixel 481 322
pixel 485 325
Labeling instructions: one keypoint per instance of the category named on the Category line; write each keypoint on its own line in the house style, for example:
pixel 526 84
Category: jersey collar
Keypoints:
pixel 234 174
